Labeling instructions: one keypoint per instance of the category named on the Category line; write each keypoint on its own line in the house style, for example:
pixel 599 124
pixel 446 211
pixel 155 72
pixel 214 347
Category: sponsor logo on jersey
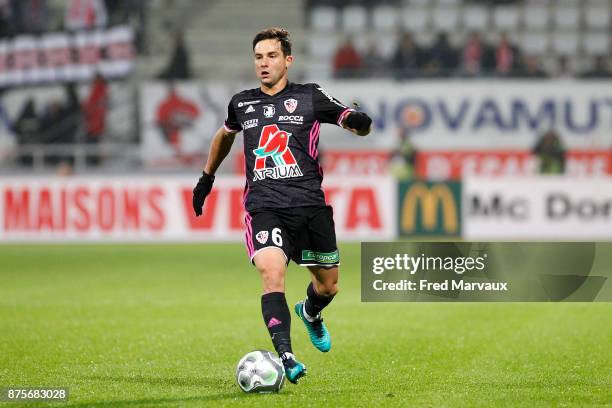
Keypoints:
pixel 249 109
pixel 262 237
pixel 245 103
pixel 291 119
pixel 269 111
pixel 321 257
pixel 274 144
pixel 251 123
pixel 290 105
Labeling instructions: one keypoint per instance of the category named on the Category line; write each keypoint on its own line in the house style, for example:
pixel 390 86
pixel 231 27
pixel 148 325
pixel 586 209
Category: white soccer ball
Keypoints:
pixel 260 371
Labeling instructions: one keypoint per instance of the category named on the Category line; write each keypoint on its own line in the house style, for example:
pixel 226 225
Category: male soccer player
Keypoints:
pixel 286 213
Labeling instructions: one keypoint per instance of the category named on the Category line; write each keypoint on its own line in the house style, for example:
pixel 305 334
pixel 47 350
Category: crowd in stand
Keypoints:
pixel 67 120
pixel 36 16
pixel 475 58
pixel 63 121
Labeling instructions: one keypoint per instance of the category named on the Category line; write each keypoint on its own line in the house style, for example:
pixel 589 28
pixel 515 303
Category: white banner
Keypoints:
pixel 177 121
pixel 480 114
pixel 537 208
pixel 84 209
pixel 435 115
pixel 63 56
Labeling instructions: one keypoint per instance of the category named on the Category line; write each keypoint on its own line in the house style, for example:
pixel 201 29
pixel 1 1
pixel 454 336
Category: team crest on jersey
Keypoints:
pixel 269 111
pixel 262 237
pixel 274 144
pixel 290 105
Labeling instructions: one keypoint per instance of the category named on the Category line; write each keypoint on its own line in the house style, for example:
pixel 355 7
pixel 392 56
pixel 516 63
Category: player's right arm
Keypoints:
pixel 219 149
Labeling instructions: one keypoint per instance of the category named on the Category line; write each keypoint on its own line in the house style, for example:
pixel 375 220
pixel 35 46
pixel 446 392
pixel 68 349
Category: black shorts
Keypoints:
pixel 305 234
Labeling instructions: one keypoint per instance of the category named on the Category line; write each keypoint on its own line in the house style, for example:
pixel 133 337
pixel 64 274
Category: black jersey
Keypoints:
pixel 281 139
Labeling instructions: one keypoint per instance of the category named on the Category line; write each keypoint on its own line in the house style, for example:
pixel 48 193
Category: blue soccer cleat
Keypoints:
pixel 294 370
pixel 319 336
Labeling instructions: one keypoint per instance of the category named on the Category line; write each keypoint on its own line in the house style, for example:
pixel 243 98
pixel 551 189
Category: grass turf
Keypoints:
pixel 164 325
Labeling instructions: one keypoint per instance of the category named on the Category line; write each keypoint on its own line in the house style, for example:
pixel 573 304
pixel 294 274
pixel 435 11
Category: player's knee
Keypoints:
pixel 332 289
pixel 272 273
pixel 273 278
pixel 328 288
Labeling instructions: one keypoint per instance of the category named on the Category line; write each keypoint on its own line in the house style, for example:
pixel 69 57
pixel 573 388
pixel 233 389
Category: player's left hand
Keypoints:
pixel 200 191
pixel 358 122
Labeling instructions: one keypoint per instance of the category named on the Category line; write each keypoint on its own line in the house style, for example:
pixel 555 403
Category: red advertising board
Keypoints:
pixel 452 165
pixel 150 209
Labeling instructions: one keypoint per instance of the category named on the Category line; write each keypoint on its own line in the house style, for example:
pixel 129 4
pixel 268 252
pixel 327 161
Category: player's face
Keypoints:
pixel 270 63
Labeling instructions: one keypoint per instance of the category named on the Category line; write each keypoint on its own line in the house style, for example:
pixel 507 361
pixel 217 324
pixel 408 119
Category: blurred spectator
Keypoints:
pixel 85 15
pixel 409 58
pixel 403 160
pixel 5 19
pixel 551 153
pixel 178 66
pixel 51 122
pixel 442 58
pixel 174 114
pixel 60 123
pixel 505 56
pixel 347 61
pixel 530 68
pixel 563 69
pixel 35 15
pixel 27 128
pixel 95 109
pixel 473 55
pixel 64 169
pixel 115 10
pixel 374 64
pixel 23 16
pixel 600 69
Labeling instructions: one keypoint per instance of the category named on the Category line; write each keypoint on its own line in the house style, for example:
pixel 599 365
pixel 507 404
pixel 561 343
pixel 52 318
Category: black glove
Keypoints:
pixel 201 190
pixel 358 121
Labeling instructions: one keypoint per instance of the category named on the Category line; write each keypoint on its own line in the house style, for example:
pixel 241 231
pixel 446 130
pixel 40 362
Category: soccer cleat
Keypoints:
pixel 319 336
pixel 294 370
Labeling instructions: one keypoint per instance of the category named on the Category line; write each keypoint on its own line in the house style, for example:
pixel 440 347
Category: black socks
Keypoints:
pixel 278 320
pixel 315 302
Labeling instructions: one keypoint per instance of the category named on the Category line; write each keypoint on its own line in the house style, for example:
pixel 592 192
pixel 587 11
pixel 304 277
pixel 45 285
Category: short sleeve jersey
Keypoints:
pixel 281 139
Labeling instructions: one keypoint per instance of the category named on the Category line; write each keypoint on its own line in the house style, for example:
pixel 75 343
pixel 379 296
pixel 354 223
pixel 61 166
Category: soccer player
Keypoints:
pixel 286 213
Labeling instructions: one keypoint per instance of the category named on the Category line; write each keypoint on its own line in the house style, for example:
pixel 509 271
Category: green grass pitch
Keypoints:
pixel 164 325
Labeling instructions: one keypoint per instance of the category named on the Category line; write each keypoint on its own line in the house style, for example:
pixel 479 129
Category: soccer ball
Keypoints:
pixel 260 371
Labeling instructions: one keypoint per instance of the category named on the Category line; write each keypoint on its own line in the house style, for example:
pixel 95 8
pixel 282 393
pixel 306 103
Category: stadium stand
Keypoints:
pixel 579 30
pixel 566 38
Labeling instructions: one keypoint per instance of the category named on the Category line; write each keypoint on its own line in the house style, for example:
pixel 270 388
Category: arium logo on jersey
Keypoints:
pixel 274 144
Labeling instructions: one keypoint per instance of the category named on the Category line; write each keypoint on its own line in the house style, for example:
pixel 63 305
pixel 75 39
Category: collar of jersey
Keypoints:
pixel 282 91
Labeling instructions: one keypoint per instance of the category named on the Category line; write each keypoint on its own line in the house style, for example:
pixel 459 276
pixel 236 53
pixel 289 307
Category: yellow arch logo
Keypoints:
pixel 429 197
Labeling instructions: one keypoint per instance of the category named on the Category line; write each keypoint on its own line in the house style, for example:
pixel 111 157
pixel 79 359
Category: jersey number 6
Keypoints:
pixel 276 237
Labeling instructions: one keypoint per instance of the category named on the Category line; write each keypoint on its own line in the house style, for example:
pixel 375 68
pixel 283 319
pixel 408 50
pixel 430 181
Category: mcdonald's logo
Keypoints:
pixel 428 208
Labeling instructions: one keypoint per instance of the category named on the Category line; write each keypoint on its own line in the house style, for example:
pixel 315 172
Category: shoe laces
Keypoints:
pixel 288 359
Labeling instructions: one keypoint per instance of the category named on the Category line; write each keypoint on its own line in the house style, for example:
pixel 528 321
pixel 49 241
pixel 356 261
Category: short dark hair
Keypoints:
pixel 275 33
